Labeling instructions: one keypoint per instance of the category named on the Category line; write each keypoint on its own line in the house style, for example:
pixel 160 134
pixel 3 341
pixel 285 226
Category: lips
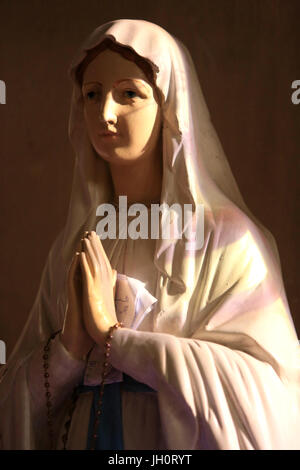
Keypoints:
pixel 108 134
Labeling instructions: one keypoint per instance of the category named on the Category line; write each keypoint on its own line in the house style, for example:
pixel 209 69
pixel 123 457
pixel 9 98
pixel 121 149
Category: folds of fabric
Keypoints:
pixel 211 396
pixel 110 428
pixel 219 347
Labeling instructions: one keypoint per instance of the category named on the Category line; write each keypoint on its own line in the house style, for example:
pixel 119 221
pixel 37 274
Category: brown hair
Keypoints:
pixel 150 70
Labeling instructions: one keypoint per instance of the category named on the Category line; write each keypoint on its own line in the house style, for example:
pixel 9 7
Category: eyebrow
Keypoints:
pixel 120 81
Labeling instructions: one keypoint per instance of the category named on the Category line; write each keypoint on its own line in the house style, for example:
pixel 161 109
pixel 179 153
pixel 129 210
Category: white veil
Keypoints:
pixel 230 292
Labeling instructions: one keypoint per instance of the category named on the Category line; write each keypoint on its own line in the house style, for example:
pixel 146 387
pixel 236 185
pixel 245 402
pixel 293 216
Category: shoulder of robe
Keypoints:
pixel 238 252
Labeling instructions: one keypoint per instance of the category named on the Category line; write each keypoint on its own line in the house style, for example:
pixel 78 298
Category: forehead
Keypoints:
pixel 110 66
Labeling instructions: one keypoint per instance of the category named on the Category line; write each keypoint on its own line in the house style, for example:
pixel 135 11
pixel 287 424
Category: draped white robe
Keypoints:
pixel 219 346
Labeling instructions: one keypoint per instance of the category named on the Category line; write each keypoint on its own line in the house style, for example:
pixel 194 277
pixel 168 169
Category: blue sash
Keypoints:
pixel 110 431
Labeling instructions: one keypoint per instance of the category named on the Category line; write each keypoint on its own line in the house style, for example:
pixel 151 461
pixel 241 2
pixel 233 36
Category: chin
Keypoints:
pixel 119 159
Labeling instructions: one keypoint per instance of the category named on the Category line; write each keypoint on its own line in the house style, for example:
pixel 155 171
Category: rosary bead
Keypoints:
pixel 101 391
pixel 47 385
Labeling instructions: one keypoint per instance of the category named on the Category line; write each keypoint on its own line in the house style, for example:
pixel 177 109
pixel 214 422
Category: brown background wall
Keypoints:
pixel 246 55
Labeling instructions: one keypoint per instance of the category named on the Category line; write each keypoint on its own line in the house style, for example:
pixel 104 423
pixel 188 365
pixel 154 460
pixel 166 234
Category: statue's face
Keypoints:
pixel 119 98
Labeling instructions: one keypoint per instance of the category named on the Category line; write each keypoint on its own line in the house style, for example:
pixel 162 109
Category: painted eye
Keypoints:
pixel 130 93
pixel 90 95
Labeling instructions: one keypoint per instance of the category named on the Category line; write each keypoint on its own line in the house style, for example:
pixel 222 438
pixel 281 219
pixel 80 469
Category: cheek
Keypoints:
pixel 141 124
pixel 90 119
pixel 92 128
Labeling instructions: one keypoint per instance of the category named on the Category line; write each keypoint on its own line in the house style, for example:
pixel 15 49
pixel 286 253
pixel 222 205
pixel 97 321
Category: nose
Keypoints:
pixel 107 111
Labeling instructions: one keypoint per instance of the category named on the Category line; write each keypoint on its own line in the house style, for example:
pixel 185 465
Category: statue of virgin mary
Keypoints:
pixel 208 356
